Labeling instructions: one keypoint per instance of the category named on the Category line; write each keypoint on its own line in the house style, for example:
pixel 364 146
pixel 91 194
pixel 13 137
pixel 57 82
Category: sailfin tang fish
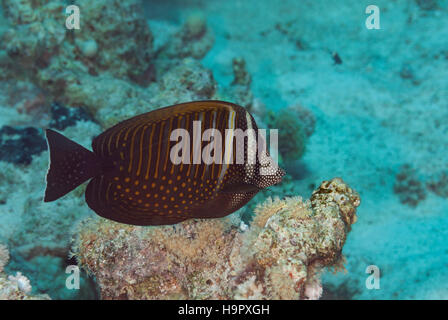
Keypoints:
pixel 134 179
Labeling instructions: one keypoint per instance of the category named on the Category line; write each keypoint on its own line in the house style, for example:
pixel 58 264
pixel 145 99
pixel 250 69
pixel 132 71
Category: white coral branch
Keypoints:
pixel 22 282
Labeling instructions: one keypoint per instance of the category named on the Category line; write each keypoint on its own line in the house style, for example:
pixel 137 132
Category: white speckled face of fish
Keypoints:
pixel 220 150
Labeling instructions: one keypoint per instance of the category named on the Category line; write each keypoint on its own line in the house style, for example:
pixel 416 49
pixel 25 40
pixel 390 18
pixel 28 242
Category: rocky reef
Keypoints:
pixel 112 51
pixel 279 256
pixel 78 82
pixel 118 40
pixel 372 109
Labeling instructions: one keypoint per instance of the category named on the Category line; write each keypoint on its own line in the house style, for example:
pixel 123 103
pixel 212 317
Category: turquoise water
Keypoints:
pixel 380 113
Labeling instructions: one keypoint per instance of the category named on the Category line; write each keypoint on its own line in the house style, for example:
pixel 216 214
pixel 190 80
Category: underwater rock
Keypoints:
pixel 88 48
pixel 280 256
pixel 241 76
pixel 16 287
pixel 408 186
pixel 86 68
pixel 117 39
pixel 188 81
pixel 18 145
pixel 80 68
pixel 35 32
pixel 62 117
pixel 239 90
pixel 291 133
pixel 23 103
pixel 295 124
pixel 100 97
pixel 193 40
pixel 307 118
pixel 258 109
pixel 4 257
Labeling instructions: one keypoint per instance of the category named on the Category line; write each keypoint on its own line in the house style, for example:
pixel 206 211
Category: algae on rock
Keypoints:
pixel 280 256
pixel 16 287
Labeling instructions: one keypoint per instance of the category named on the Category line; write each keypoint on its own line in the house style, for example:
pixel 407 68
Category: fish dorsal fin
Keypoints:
pixel 158 115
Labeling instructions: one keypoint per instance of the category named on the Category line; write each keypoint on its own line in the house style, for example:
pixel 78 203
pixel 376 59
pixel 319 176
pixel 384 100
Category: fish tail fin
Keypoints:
pixel 70 165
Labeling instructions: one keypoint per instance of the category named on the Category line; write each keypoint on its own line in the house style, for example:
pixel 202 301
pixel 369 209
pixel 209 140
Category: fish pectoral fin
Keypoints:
pixel 240 188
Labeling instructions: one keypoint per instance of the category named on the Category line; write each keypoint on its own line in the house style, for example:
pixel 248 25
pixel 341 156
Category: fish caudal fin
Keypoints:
pixel 70 165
